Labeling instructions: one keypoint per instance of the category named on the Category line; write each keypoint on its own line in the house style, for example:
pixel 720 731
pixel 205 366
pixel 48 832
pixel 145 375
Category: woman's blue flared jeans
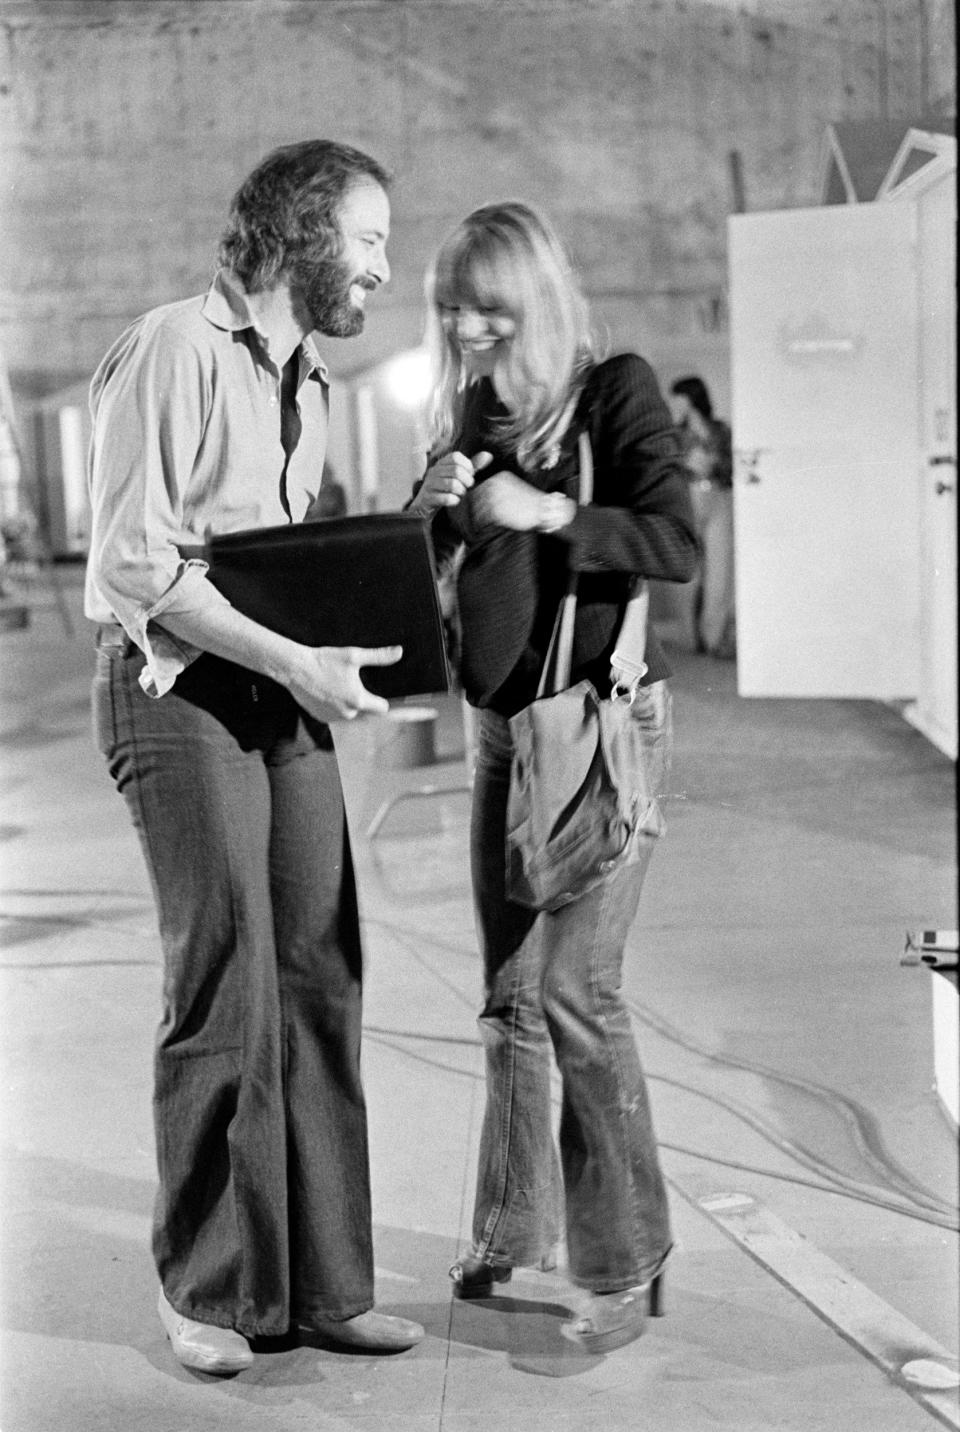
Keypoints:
pixel 552 984
pixel 263 1209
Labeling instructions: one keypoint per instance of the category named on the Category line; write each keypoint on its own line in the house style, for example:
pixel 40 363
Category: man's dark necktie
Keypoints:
pixel 290 424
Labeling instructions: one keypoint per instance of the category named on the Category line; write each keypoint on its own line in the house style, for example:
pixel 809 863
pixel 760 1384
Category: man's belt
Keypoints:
pixel 112 635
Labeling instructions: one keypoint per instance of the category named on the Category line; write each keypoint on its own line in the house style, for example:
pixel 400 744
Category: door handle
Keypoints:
pixel 941 487
pixel 942 459
pixel 750 458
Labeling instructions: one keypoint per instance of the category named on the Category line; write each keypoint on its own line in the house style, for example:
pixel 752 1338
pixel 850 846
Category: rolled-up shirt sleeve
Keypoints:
pixel 150 401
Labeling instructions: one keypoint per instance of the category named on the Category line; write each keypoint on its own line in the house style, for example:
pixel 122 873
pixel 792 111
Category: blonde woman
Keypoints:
pixel 517 383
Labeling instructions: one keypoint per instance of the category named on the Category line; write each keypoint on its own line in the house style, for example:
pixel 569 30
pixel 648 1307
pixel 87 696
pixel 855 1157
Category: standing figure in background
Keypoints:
pixel 211 414
pixel 517 386
pixel 331 500
pixel 708 453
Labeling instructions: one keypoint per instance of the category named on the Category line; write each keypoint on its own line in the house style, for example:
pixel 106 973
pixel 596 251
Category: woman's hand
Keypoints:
pixel 699 460
pixel 505 500
pixel 447 481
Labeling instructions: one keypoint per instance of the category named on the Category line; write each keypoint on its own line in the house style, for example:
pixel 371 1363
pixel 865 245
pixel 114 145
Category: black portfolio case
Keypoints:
pixel 346 581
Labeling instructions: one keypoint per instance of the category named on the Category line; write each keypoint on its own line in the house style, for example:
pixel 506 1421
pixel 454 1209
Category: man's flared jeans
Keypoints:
pixel 263 1209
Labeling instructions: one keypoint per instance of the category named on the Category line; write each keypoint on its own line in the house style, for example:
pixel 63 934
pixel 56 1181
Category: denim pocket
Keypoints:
pixel 652 710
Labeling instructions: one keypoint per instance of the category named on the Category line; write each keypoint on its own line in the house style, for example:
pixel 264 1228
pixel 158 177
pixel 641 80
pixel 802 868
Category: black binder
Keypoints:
pixel 346 581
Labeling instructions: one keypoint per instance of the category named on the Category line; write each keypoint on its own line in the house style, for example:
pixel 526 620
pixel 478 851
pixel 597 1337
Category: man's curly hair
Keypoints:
pixel 288 207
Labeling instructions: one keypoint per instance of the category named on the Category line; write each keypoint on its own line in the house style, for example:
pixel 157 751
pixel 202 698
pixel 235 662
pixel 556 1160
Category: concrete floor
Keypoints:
pixel 813 1170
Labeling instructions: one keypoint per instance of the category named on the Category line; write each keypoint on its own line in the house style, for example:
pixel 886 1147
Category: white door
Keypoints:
pixel 823 317
pixel 935 712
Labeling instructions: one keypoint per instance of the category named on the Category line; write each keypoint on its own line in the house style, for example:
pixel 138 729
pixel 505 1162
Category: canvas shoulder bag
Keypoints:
pixel 579 799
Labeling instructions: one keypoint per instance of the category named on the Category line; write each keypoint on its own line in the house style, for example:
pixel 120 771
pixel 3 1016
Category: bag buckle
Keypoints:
pixel 625 678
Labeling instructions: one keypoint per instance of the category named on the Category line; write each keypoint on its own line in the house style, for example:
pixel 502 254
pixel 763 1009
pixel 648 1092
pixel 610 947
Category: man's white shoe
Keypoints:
pixel 204 1348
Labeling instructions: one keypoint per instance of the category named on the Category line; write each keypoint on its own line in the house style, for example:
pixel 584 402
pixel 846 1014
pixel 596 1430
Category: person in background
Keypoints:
pixel 211 414
pixel 708 454
pixel 331 500
pixel 517 384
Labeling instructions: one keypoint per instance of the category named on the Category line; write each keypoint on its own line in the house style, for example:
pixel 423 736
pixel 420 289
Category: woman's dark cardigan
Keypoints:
pixel 640 524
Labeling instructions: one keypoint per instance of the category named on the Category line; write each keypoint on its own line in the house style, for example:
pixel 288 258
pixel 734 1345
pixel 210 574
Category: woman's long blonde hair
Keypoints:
pixel 508 256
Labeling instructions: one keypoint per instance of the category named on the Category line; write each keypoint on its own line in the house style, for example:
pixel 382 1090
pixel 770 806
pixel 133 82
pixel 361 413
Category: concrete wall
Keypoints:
pixel 126 126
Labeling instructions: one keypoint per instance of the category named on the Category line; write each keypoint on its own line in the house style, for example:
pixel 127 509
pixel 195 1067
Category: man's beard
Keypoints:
pixel 324 286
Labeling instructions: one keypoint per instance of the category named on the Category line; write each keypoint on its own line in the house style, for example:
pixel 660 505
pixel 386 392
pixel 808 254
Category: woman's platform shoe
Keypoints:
pixel 611 1320
pixel 473 1278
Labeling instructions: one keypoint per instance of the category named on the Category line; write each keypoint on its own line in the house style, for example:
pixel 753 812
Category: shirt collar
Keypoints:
pixel 226 306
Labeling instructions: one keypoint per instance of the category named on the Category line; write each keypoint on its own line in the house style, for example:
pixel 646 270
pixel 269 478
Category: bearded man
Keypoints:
pixel 211 414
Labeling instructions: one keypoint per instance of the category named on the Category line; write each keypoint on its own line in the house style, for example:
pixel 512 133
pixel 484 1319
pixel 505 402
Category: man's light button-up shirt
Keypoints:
pixel 186 442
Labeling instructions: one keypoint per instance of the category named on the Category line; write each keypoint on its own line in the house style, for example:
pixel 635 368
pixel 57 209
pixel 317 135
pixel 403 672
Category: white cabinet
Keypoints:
pixel 843 369
pixel 823 309
pixel 931 193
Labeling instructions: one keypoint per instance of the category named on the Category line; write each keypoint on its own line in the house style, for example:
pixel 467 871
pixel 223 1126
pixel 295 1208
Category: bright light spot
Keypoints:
pixel 409 379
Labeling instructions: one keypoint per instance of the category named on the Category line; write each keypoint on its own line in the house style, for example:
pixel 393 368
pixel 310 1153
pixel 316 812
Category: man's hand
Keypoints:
pixel 447 481
pixel 326 682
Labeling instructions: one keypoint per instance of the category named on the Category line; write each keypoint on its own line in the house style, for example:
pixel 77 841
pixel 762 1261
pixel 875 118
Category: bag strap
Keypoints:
pixel 627 665
pixel 555 675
